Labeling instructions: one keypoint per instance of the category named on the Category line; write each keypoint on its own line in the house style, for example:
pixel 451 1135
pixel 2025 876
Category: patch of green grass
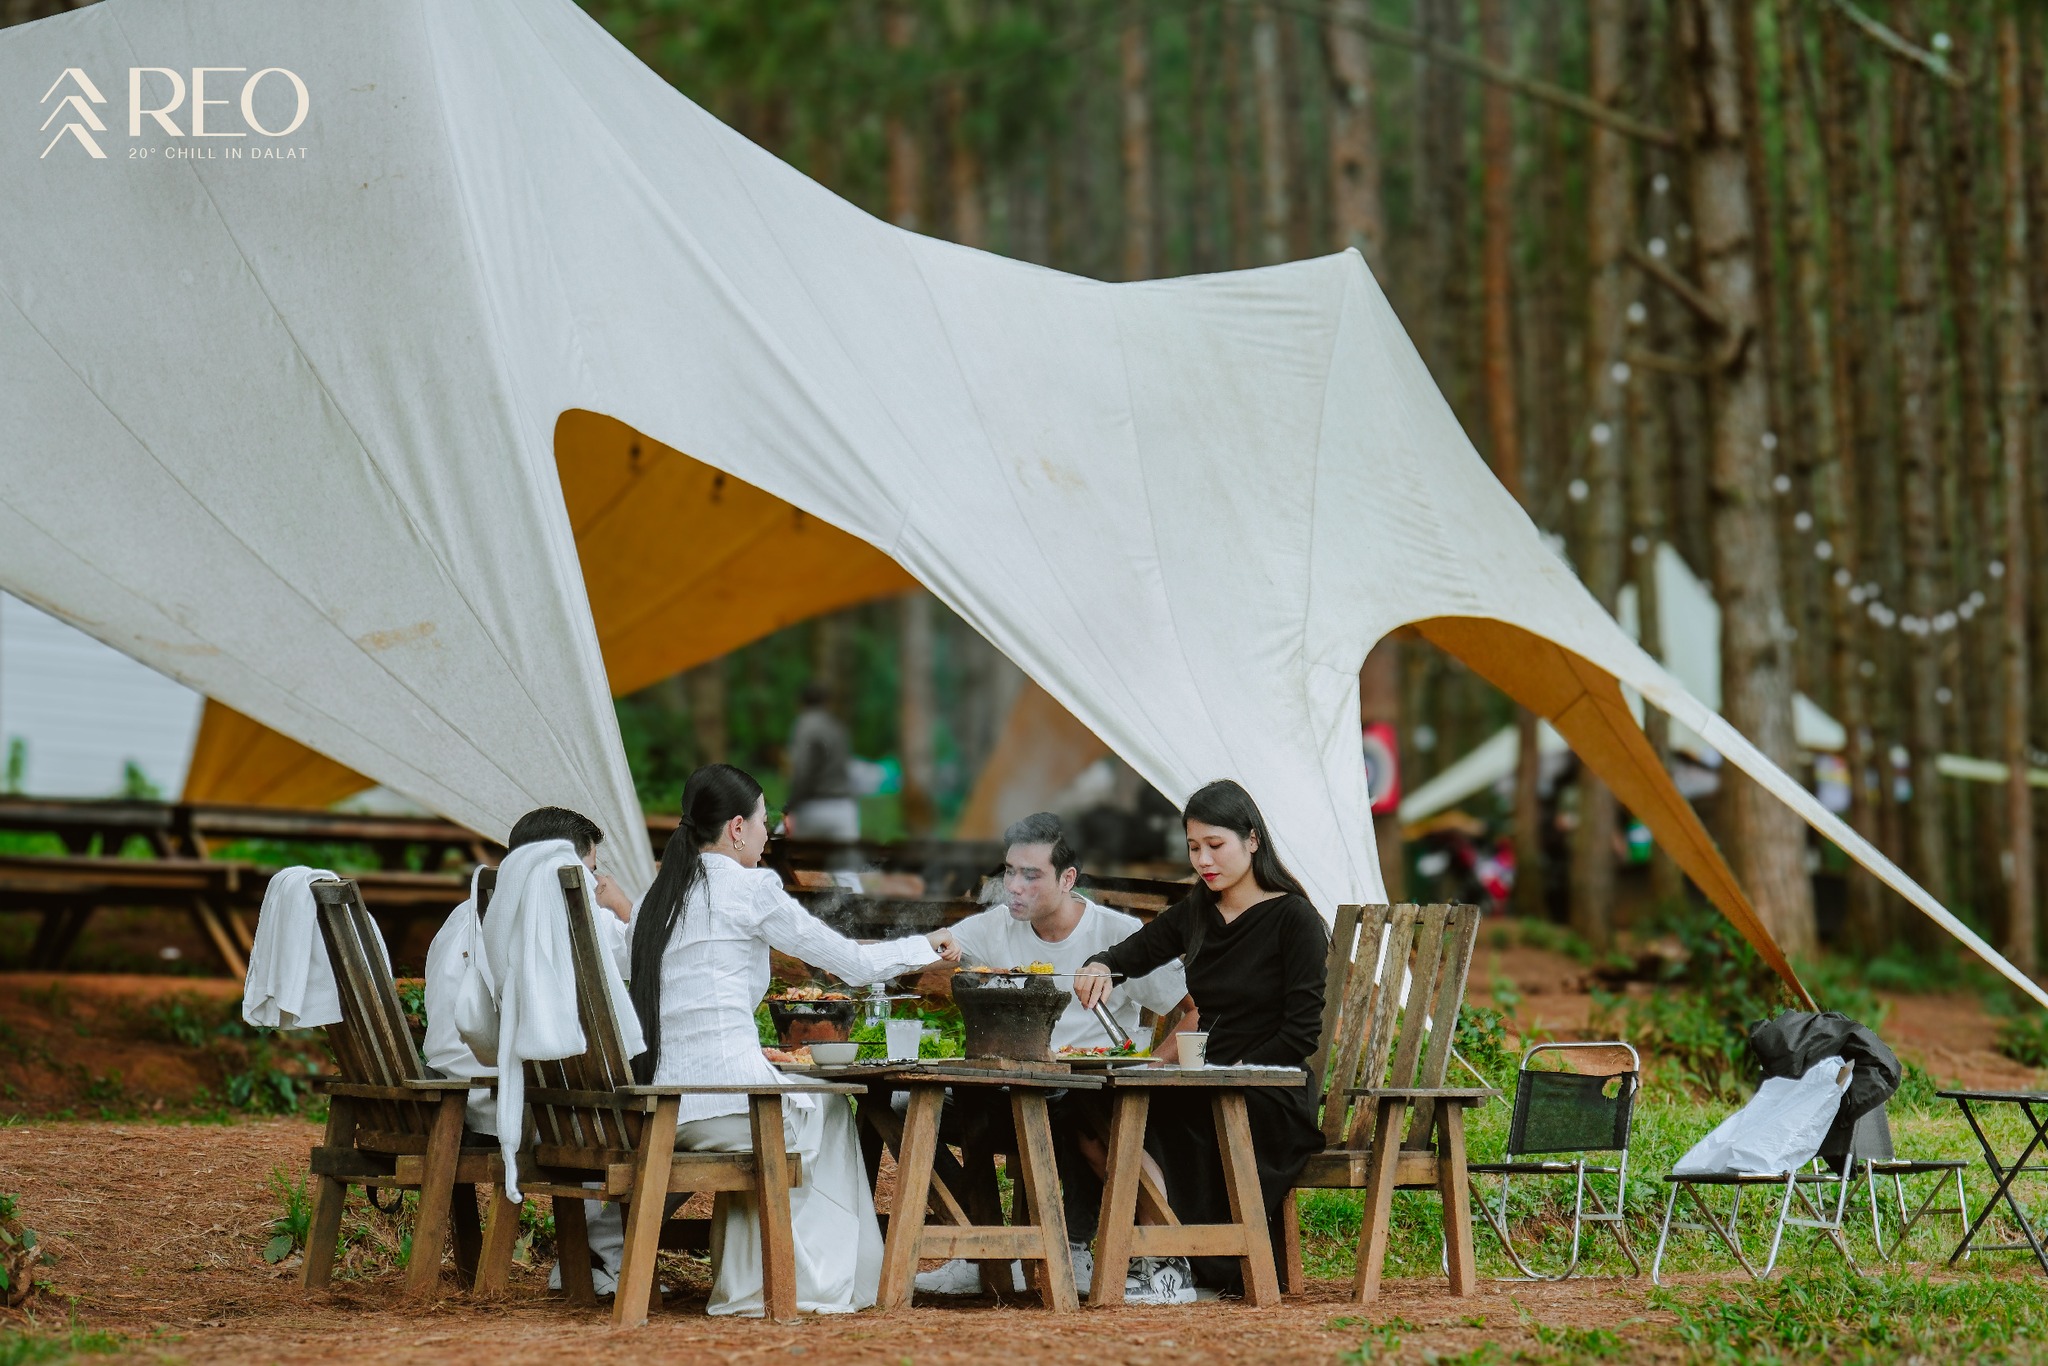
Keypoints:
pixel 1833 1314
pixel 24 1348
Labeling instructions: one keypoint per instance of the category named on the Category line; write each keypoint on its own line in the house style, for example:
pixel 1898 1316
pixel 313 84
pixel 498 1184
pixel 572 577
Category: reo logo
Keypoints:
pixel 204 95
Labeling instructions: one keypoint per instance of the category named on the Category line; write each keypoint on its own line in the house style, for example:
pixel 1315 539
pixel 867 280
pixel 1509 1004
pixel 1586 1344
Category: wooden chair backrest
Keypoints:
pixel 1369 1039
pixel 602 1067
pixel 372 1042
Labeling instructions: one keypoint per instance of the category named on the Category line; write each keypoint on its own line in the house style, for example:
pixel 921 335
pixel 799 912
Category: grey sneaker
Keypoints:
pixel 1159 1280
pixel 1084 1266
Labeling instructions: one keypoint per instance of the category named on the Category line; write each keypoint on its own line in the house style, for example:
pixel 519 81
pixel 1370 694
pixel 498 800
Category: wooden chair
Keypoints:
pixel 389 1125
pixel 591 1123
pixel 1388 1118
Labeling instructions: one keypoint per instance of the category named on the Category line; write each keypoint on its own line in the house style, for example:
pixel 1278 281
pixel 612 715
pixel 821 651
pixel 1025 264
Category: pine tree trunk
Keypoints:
pixel 1441 188
pixel 1274 196
pixel 1503 422
pixel 704 687
pixel 1236 155
pixel 1379 700
pixel 2034 36
pixel 1808 417
pixel 1141 229
pixel 2015 413
pixel 1301 235
pixel 1975 655
pixel 914 723
pixel 1201 164
pixel 1357 213
pixel 1913 346
pixel 1839 110
pixel 1610 227
pixel 1756 677
pixel 1553 425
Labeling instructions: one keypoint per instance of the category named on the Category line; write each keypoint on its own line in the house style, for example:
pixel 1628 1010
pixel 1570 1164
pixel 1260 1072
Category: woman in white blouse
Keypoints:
pixel 701 938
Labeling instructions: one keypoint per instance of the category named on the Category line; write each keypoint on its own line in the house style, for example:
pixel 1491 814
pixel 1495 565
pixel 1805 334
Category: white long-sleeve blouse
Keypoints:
pixel 715 973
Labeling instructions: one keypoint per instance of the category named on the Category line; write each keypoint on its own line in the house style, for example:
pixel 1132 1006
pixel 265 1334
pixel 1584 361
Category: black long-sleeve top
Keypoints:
pixel 1258 980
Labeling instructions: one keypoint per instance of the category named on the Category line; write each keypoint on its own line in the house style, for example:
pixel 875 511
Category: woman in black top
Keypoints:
pixel 1256 954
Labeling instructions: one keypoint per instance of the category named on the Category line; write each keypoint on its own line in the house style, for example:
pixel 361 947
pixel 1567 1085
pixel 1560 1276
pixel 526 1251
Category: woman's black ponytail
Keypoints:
pixel 713 795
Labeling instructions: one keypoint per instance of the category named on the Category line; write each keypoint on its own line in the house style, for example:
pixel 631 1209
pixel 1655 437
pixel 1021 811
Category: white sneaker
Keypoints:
pixel 1159 1280
pixel 962 1277
pixel 602 1281
pixel 1084 1266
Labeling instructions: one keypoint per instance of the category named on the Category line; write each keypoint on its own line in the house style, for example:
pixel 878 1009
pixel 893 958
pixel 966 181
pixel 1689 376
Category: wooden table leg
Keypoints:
pixel 572 1251
pixel 644 1213
pixel 1379 1198
pixel 771 1196
pixel 437 1189
pixel 1247 1201
pixel 982 1198
pixel 1042 1193
pixel 1455 1189
pixel 913 1189
pixel 1125 1169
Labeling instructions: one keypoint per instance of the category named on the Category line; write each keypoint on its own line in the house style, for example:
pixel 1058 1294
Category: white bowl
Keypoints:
pixel 834 1054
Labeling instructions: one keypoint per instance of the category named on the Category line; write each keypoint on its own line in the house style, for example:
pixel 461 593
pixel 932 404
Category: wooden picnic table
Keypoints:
pixel 1119 1236
pixel 970 1216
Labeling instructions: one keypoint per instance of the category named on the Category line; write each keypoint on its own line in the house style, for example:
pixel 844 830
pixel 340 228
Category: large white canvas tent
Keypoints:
pixel 302 432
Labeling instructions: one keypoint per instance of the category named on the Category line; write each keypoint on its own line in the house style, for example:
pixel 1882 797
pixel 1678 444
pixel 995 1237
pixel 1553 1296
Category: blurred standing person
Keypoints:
pixel 821 803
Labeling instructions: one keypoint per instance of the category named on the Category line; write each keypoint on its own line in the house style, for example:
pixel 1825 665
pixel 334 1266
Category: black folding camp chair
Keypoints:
pixel 1557 1113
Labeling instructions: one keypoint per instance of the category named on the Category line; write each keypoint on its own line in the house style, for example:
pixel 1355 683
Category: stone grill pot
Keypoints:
pixel 1009 1015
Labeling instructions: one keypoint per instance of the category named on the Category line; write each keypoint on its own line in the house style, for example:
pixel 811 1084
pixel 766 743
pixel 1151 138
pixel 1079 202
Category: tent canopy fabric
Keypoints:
pixel 290 431
pixel 682 564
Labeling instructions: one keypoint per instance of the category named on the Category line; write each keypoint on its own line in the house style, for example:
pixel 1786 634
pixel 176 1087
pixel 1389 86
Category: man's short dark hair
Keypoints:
pixel 815 694
pixel 1044 828
pixel 556 823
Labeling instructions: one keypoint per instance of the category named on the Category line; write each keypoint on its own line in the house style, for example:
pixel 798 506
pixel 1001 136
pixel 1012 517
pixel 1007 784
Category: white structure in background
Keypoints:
pixel 1689 645
pixel 83 711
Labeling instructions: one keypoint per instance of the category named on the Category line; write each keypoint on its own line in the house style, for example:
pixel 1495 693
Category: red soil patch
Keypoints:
pixel 159 1232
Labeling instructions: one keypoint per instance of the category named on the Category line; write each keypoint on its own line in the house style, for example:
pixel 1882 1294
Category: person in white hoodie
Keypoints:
pixel 459 945
pixel 701 942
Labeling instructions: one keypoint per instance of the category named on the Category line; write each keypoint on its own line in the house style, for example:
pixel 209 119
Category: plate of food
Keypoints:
pixel 1104 1056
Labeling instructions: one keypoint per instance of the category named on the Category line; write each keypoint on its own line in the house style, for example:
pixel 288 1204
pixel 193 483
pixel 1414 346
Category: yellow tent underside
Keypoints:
pixel 684 564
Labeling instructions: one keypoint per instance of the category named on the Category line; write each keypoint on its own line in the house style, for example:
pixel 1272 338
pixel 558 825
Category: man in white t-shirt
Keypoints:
pixel 1042 919
pixel 448 960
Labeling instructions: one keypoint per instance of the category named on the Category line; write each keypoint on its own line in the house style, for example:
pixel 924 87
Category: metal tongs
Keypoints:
pixel 1117 1037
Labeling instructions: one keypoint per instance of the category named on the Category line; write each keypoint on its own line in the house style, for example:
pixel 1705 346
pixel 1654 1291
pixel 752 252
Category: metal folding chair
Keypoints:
pixel 1795 1184
pixel 1871 1150
pixel 1556 1113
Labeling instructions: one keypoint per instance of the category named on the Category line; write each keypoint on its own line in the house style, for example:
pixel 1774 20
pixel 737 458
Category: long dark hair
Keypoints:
pixel 714 795
pixel 1224 803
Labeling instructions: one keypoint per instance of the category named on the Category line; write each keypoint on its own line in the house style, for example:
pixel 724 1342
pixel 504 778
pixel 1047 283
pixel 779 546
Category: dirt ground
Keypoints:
pixel 159 1228
pixel 159 1232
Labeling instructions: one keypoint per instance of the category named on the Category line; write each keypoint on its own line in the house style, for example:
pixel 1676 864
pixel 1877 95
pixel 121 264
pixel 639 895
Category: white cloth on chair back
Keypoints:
pixel 1781 1128
pixel 526 944
pixel 290 984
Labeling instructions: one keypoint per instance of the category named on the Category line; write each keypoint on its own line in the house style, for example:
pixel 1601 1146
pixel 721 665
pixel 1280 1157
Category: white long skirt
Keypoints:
pixel 838 1240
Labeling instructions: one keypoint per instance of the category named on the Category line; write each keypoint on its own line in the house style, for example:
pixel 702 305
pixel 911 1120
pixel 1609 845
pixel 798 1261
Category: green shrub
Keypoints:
pixel 2024 1039
pixel 288 1230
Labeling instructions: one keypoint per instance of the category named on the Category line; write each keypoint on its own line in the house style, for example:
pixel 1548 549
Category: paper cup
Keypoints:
pixel 1194 1047
pixel 903 1037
